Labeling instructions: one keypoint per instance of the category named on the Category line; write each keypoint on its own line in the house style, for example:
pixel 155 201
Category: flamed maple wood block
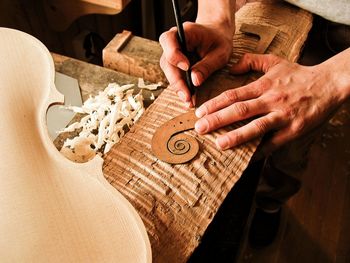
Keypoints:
pixel 177 202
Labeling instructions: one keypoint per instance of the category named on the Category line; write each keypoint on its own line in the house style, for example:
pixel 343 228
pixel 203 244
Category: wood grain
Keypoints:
pixel 177 202
pixel 134 56
pixel 53 209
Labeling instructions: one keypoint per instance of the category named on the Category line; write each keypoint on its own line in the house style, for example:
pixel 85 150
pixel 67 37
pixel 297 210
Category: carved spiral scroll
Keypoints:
pixel 170 145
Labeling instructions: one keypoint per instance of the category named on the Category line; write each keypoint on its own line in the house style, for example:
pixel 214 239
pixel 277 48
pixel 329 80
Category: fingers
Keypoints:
pixel 172 51
pixel 227 98
pixel 233 113
pixel 256 62
pixel 171 61
pixel 250 131
pixel 213 49
pixel 176 81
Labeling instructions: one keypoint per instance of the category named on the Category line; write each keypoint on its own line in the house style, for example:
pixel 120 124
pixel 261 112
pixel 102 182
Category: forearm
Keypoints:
pixel 220 13
pixel 338 70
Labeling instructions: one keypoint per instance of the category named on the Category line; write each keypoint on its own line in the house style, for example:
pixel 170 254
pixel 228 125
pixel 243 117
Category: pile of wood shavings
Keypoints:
pixel 107 116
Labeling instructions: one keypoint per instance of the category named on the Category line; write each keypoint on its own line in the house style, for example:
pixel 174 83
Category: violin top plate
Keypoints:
pixel 51 208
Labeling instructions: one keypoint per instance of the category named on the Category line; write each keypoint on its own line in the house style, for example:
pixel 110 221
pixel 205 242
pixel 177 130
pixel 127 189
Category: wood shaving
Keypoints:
pixel 108 116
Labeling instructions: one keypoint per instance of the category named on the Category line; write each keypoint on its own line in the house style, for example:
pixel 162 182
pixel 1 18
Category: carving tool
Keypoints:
pixel 182 41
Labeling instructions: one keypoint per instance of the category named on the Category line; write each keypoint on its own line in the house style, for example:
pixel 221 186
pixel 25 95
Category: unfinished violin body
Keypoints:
pixel 53 210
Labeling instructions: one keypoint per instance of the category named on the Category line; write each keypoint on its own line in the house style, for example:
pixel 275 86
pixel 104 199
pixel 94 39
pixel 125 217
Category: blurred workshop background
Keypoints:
pixel 67 28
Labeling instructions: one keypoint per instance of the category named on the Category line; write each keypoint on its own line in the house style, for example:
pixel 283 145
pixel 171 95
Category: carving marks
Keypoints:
pixel 169 144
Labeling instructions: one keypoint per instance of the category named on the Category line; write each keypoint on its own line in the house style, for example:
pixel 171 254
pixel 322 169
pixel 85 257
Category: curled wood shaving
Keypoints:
pixel 108 116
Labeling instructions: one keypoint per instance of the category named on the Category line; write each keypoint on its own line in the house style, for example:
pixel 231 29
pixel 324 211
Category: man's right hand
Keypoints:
pixel 212 43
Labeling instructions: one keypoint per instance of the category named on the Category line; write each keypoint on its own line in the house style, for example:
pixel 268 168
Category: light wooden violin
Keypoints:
pixel 51 209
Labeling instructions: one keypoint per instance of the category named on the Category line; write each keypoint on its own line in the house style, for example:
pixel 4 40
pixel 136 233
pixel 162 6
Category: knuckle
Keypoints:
pixel 289 113
pixel 241 109
pixel 247 56
pixel 212 105
pixel 231 96
pixel 273 58
pixel 169 54
pixel 246 59
pixel 234 138
pixel 171 58
pixel 280 97
pixel 261 126
pixel 264 84
pixel 216 120
pixel 204 68
pixel 167 37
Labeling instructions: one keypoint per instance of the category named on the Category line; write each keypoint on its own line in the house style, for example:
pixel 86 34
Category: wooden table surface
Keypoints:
pixel 222 235
pixel 212 236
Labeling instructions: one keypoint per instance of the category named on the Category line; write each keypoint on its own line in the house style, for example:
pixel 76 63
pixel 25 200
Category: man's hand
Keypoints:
pixel 289 100
pixel 213 46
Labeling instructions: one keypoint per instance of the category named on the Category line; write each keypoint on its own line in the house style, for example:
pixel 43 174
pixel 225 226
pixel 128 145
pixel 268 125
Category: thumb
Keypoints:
pixel 256 62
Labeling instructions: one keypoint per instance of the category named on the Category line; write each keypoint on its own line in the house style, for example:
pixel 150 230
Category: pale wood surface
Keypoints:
pixel 177 202
pixel 53 209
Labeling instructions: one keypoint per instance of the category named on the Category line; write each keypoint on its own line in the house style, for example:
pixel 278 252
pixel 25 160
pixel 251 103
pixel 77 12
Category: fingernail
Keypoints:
pixel 200 112
pixel 201 126
pixel 182 65
pixel 222 143
pixel 181 95
pixel 197 77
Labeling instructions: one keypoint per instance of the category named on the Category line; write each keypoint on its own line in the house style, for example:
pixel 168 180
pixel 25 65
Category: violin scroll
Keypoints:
pixel 169 144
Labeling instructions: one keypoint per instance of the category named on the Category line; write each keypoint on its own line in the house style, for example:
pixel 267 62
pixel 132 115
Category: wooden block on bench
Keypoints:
pixel 178 202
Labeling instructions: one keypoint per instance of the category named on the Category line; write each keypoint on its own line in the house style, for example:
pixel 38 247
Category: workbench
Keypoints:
pixel 225 234
pixel 207 225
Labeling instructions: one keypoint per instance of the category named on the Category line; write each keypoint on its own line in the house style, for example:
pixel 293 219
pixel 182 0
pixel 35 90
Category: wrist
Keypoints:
pixel 339 69
pixel 218 14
